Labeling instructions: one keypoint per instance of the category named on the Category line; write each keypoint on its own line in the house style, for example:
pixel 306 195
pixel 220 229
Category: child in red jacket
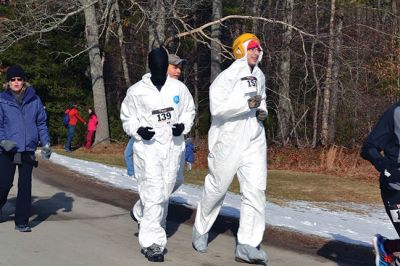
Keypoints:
pixel 92 125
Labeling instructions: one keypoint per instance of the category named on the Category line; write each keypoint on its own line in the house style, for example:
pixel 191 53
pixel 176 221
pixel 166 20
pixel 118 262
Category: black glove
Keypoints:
pixel 177 129
pixel 8 145
pixel 390 173
pixel 146 132
pixel 261 115
pixel 254 101
pixel 46 152
pixel 391 179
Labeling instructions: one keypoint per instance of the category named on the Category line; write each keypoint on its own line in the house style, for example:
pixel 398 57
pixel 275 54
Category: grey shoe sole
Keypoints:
pixel 199 250
pixel 23 229
pixel 258 262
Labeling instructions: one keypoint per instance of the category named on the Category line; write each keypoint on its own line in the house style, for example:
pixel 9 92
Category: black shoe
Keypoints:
pixel 154 253
pixel 23 228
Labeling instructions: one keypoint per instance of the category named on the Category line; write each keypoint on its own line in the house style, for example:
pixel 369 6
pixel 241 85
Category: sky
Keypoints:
pixel 356 226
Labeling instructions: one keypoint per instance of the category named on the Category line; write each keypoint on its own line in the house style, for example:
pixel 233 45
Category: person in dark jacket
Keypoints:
pixel 22 125
pixel 382 149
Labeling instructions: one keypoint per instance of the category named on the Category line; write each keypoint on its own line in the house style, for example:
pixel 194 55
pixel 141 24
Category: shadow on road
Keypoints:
pixel 347 254
pixel 177 215
pixel 41 208
pixel 44 208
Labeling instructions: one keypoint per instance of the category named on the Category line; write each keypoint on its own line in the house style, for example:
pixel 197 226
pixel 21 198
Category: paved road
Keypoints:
pixel 77 221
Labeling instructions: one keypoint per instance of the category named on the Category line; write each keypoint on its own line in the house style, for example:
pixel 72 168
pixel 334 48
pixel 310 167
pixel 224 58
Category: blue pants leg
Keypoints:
pixel 24 196
pixel 6 176
pixel 70 135
pixel 128 154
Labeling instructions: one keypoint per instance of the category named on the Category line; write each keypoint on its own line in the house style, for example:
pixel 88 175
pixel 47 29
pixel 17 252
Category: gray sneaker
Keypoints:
pixel 199 242
pixel 23 228
pixel 249 254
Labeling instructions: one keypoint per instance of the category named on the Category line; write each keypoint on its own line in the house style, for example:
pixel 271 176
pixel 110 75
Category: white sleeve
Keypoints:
pixel 188 111
pixel 224 102
pixel 128 115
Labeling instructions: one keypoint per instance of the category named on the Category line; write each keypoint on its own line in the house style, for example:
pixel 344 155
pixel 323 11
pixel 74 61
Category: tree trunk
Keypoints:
pixel 255 11
pixel 215 35
pixel 316 80
pixel 96 72
pixel 196 93
pixel 335 75
pixel 156 25
pixel 284 104
pixel 396 35
pixel 328 80
pixel 122 45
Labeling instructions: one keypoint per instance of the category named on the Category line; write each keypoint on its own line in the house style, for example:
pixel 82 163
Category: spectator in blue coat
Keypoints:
pixel 22 126
pixel 189 153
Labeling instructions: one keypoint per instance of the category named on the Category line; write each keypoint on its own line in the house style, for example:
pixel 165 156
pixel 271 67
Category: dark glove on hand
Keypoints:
pixel 391 179
pixel 145 132
pixel 46 152
pixel 177 129
pixel 254 101
pixel 261 115
pixel 8 145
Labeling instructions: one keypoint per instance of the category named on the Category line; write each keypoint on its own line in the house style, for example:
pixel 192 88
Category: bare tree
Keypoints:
pixel 316 81
pixel 215 35
pixel 156 23
pixel 335 76
pixel 255 11
pixel 96 71
pixel 284 105
pixel 329 78
pixel 122 44
pixel 196 94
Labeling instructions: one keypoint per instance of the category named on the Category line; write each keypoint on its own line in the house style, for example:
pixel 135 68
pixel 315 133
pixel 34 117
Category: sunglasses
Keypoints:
pixel 17 79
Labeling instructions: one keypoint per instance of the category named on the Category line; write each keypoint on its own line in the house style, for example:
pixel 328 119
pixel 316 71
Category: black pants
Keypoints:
pixel 24 196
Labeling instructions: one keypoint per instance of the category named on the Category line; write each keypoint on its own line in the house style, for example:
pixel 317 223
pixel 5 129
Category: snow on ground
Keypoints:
pixel 306 217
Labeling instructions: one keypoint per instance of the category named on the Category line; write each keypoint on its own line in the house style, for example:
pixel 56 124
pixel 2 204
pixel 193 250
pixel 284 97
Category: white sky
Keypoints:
pixel 356 227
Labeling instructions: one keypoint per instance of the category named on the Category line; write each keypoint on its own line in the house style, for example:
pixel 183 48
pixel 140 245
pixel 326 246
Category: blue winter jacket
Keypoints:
pixel 24 124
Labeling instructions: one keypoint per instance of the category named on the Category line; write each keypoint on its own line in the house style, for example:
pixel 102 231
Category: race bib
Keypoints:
pixel 163 116
pixel 249 85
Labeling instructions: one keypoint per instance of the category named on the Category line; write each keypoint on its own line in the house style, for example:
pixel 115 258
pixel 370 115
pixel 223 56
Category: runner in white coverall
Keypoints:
pixel 160 109
pixel 175 64
pixel 237 145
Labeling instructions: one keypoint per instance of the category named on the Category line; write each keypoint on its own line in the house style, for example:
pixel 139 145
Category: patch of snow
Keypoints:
pixel 306 217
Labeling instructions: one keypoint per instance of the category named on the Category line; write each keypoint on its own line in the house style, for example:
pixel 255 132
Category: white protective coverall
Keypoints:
pixel 157 160
pixel 237 145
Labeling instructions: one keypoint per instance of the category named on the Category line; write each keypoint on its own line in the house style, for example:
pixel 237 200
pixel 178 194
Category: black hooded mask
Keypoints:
pixel 158 64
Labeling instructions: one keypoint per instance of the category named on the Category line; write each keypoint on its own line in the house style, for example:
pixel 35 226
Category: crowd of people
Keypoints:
pixel 157 115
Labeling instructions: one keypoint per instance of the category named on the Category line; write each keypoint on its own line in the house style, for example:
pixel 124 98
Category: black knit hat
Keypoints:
pixel 15 71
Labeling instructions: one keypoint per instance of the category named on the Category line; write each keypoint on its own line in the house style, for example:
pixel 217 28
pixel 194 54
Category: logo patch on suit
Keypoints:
pixel 176 99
